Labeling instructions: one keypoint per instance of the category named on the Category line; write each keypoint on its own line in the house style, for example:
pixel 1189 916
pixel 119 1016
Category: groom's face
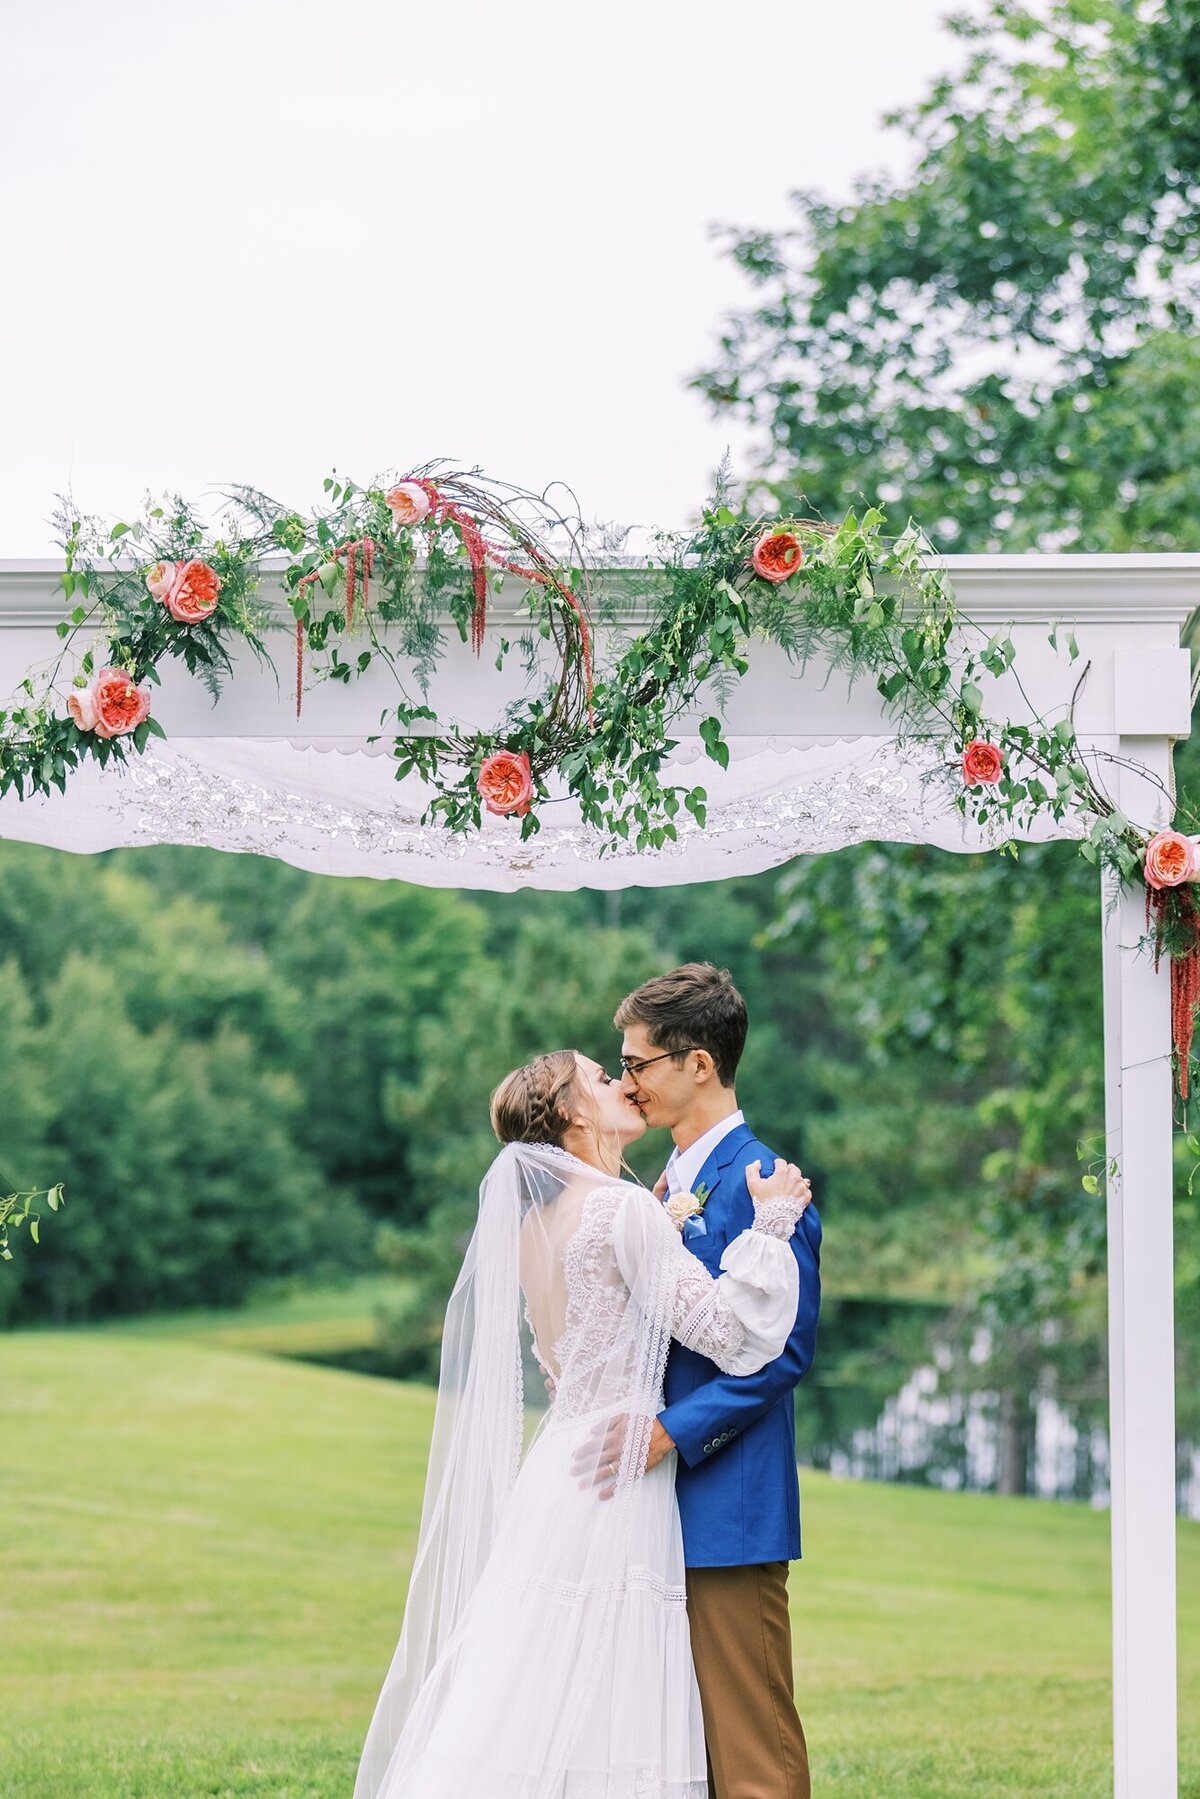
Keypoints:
pixel 661 1088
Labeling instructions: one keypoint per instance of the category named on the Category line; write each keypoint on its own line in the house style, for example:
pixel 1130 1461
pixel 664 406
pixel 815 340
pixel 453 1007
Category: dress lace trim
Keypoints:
pixel 778 1217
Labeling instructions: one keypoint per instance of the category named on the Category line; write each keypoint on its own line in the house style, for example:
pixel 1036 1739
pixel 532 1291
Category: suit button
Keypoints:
pixel 708 1449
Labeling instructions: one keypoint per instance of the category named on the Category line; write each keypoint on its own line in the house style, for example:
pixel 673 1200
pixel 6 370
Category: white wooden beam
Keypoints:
pixel 1137 1029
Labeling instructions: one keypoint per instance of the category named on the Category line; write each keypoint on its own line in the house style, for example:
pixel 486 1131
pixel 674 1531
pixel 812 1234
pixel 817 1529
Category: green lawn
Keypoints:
pixel 304 1322
pixel 204 1563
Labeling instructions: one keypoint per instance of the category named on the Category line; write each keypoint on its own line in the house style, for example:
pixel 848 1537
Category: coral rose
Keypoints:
pixel 192 595
pixel 777 554
pixel 506 783
pixel 118 703
pixel 1170 860
pixel 982 763
pixel 408 503
pixel 160 578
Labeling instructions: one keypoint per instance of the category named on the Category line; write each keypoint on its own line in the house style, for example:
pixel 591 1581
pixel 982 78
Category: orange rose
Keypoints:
pixel 1170 860
pixel 192 595
pixel 118 704
pixel 408 503
pixel 506 783
pixel 777 554
pixel 982 764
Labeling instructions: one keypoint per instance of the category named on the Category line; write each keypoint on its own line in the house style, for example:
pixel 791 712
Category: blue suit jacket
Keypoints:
pixel 739 1496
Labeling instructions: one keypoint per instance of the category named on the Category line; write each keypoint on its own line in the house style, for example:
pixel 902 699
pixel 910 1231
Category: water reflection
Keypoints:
pixel 887 1400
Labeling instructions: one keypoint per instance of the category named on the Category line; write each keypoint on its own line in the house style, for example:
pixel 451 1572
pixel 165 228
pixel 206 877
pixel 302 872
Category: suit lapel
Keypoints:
pixel 727 1153
pixel 728 1150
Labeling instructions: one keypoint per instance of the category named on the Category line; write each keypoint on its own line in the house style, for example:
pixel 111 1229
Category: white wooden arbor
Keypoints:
pixel 814 766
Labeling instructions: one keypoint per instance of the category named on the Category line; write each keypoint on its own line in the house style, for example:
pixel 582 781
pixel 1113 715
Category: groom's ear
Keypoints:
pixel 706 1068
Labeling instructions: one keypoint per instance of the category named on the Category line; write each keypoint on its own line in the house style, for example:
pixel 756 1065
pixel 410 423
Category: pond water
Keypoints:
pixel 883 1402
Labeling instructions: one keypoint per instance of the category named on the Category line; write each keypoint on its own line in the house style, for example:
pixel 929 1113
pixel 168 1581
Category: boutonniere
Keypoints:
pixel 683 1206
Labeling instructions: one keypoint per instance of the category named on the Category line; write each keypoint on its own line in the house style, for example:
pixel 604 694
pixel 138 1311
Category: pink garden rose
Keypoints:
pixel 506 783
pixel 160 578
pixel 1171 859
pixel 192 595
pixel 408 503
pixel 112 706
pixel 982 763
pixel 82 708
pixel 777 555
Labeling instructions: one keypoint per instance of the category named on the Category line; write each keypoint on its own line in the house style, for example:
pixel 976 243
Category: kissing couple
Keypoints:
pixel 601 1612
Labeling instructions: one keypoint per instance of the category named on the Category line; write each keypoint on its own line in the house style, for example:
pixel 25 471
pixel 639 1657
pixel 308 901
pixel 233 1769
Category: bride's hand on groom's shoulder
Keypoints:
pixel 784 1182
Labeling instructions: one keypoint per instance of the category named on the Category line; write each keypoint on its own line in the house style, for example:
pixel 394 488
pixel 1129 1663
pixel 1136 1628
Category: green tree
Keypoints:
pixel 181 1161
pixel 999 342
pixel 370 969
pixel 550 987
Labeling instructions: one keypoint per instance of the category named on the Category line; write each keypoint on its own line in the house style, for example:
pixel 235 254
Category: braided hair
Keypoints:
pixel 534 1104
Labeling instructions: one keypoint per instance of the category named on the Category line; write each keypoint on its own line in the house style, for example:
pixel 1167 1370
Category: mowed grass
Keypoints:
pixel 308 1322
pixel 204 1557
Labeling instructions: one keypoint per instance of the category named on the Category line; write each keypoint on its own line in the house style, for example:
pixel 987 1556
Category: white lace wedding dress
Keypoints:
pixel 545 1651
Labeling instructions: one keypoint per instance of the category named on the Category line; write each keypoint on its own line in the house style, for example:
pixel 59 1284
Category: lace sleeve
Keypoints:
pixel 741 1318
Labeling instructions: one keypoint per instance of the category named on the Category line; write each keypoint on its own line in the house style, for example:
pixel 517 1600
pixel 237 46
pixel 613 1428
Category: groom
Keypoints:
pixel 739 1497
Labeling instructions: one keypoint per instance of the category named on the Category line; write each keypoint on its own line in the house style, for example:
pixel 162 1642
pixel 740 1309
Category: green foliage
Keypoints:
pixel 549 986
pixel 200 1045
pixel 17 1209
pixel 965 1089
pixel 1001 340
pixel 866 603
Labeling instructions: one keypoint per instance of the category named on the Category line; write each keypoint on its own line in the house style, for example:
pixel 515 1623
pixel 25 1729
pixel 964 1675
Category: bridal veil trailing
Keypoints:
pixel 545 1650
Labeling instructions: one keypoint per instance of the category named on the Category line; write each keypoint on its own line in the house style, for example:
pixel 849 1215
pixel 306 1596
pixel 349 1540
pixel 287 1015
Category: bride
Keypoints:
pixel 545 1651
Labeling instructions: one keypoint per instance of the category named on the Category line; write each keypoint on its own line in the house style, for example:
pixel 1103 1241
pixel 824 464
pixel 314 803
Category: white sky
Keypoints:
pixel 249 241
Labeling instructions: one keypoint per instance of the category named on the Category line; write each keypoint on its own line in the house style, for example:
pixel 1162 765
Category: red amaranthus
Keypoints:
pixel 1179 905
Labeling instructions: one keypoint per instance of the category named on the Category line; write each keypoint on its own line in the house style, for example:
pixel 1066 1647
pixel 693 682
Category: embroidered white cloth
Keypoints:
pixel 332 805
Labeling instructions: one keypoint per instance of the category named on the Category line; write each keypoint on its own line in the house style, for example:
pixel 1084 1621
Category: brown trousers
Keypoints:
pixel 742 1648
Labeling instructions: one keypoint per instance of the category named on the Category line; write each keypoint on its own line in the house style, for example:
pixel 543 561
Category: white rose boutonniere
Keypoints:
pixel 682 1206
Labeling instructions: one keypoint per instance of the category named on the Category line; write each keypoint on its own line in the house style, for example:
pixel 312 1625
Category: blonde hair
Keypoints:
pixel 534 1104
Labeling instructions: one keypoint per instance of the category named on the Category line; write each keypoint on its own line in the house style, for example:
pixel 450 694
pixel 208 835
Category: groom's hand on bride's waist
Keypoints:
pixel 597 1460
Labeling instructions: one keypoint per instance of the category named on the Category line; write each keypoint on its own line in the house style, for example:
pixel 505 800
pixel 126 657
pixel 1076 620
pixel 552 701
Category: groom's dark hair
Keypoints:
pixel 694 1007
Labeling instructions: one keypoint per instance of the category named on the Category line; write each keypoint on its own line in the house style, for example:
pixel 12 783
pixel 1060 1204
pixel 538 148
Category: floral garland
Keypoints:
pixel 370 577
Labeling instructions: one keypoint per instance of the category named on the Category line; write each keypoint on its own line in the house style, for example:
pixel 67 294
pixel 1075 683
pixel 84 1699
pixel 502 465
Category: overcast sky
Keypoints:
pixel 249 241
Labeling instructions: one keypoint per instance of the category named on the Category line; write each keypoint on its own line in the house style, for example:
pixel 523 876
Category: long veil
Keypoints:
pixel 543 1237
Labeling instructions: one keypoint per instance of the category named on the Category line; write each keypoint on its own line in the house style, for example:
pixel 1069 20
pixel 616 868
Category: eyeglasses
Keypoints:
pixel 634 1065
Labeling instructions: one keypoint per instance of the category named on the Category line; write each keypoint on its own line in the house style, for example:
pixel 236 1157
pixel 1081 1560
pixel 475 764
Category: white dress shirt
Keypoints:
pixel 683 1169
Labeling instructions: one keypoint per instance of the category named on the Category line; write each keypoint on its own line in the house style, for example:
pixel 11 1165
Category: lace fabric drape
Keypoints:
pixel 333 806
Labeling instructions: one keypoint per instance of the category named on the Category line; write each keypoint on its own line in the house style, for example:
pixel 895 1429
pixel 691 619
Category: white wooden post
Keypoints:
pixel 1137 1029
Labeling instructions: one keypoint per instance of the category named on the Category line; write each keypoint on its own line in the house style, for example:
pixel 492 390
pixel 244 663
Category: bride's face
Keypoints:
pixel 617 1118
